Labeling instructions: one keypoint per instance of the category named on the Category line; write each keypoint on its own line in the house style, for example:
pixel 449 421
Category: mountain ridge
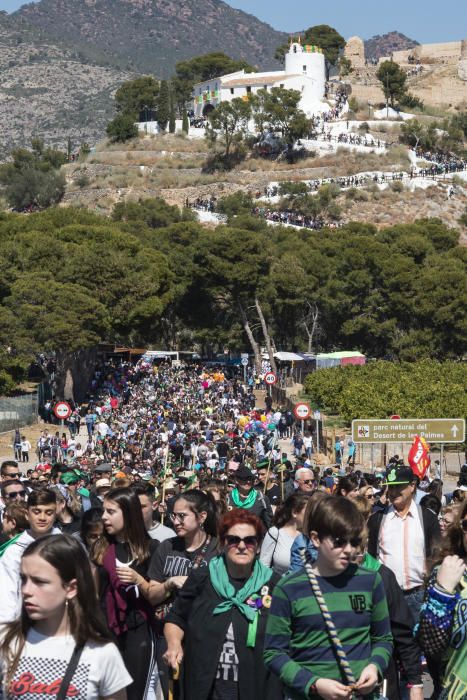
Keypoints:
pixel 151 36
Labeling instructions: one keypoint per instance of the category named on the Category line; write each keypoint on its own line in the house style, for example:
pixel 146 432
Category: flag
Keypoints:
pixel 419 458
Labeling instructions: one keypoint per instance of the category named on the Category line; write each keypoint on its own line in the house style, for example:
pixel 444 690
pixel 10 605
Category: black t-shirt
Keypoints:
pixel 172 559
pixel 226 682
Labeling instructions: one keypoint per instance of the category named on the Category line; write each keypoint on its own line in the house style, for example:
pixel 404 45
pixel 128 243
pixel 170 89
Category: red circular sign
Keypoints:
pixel 62 410
pixel 270 378
pixel 302 411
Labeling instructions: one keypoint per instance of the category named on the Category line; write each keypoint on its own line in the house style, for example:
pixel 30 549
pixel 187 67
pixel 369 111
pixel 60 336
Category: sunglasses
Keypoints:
pixel 464 525
pixel 13 494
pixel 13 476
pixel 307 481
pixel 250 541
pixel 370 496
pixel 341 542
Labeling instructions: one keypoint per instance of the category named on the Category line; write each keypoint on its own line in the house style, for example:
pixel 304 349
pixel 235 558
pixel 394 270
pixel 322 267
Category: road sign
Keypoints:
pixel 302 411
pixel 244 361
pixel 244 355
pixel 62 410
pixel 317 415
pixel 270 378
pixel 440 430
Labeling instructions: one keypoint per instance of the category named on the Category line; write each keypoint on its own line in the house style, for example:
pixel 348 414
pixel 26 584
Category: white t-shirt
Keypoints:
pixel 101 671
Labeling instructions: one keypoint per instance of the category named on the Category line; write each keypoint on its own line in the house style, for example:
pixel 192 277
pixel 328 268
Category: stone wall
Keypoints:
pixel 354 51
pixel 442 53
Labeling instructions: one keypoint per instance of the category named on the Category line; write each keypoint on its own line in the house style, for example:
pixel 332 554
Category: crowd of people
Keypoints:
pixel 181 553
pixel 288 217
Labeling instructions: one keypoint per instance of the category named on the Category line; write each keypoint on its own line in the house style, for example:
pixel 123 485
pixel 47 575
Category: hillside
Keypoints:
pixel 48 91
pixel 171 167
pixel 384 45
pixel 150 36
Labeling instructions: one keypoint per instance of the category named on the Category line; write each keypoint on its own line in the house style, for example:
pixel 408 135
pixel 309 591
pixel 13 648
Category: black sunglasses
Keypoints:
pixel 308 481
pixel 13 494
pixel 12 476
pixel 250 541
pixel 341 542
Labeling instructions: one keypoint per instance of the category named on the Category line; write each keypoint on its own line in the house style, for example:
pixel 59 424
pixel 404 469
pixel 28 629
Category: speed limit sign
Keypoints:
pixel 302 411
pixel 270 378
pixel 62 410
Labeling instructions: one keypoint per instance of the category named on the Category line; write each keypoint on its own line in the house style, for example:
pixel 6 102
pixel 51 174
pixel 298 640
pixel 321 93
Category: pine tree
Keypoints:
pixel 163 105
pixel 172 116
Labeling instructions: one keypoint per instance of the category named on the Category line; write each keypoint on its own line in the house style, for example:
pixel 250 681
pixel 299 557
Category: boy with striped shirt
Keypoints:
pixel 297 645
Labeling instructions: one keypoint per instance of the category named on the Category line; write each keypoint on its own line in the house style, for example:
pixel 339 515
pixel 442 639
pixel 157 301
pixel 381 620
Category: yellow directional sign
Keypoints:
pixel 387 430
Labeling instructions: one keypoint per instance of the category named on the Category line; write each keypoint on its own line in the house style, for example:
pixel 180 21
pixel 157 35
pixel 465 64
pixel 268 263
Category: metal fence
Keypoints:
pixel 18 411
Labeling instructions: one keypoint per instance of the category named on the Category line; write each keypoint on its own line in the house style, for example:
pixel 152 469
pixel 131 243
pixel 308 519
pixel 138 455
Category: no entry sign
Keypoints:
pixel 270 378
pixel 302 411
pixel 62 410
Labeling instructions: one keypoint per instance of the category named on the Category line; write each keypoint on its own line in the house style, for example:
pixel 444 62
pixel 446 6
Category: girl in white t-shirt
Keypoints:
pixel 60 615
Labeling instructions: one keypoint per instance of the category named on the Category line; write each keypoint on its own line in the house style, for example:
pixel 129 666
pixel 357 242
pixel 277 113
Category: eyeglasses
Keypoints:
pixel 250 541
pixel 178 516
pixel 370 496
pixel 13 494
pixel 464 525
pixel 12 476
pixel 341 542
pixel 307 481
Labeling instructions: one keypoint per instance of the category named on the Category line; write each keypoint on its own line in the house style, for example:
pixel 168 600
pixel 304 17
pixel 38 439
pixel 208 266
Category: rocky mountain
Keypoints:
pixel 384 45
pixel 151 36
pixel 49 91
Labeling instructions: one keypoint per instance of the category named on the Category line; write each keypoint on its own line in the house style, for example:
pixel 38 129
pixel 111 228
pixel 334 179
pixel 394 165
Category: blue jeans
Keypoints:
pixel 414 600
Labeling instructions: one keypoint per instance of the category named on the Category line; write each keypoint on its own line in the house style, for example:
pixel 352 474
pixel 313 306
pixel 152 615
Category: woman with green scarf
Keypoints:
pixel 246 497
pixel 218 620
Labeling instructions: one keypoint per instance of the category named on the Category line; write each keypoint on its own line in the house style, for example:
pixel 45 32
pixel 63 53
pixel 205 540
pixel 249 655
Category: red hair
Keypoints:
pixel 238 516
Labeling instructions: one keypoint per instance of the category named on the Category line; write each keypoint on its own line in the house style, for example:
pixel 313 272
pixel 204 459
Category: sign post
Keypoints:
pixel 302 411
pixel 244 362
pixel 62 411
pixel 317 417
pixel 441 430
pixel 269 379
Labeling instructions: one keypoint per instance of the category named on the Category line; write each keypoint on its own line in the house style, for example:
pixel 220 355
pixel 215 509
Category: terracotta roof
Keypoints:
pixel 251 80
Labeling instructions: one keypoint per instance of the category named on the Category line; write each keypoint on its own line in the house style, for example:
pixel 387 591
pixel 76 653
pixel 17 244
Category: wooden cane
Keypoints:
pixel 174 674
pixel 164 473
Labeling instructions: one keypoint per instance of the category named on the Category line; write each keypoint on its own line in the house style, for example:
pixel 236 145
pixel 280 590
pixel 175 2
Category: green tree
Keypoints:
pixel 163 105
pixel 134 96
pixel 323 36
pixel 278 111
pixel 172 116
pixel 33 179
pixel 416 134
pixel 393 81
pixel 122 128
pixel 228 125
pixel 208 66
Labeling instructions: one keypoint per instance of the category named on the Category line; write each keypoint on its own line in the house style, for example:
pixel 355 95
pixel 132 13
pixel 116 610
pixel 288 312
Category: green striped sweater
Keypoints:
pixel 297 645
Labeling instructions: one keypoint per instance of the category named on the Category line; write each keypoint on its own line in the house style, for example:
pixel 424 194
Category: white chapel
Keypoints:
pixel 304 71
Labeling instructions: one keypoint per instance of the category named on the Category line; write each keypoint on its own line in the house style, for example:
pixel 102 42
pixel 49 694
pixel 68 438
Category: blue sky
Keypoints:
pixel 424 20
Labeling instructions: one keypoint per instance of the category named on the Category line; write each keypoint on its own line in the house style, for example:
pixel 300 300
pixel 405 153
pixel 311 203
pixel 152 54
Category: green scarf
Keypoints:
pixel 221 584
pixel 249 501
pixel 370 563
pixel 6 544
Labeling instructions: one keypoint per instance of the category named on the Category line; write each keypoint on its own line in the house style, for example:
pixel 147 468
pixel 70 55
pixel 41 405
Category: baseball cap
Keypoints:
pixel 398 476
